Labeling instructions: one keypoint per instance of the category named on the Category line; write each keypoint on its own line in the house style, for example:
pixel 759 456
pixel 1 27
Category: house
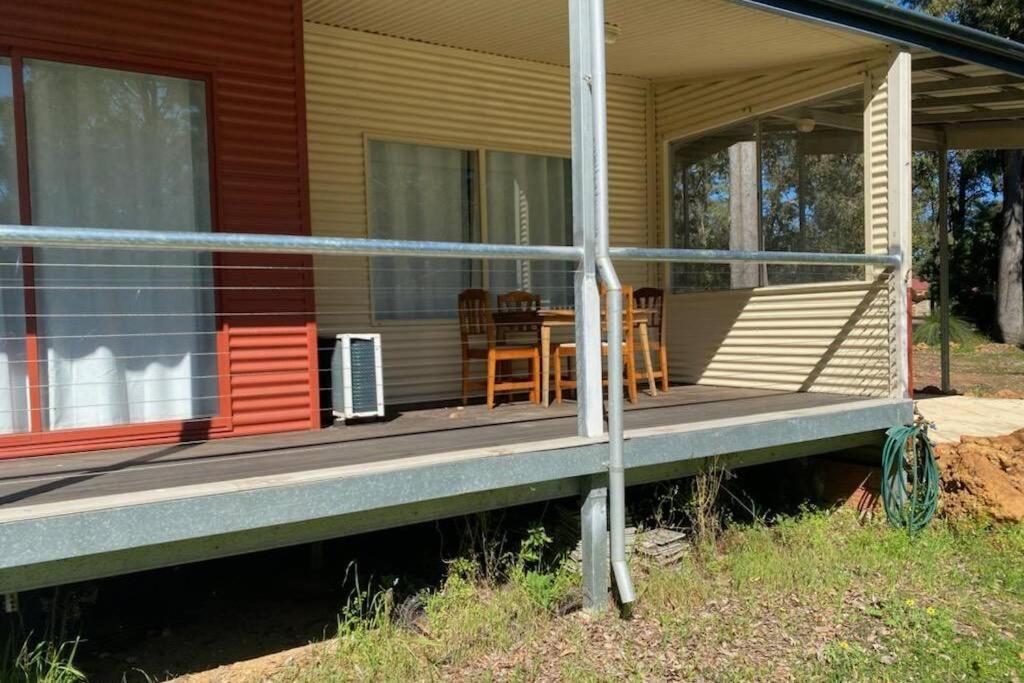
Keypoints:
pixel 217 189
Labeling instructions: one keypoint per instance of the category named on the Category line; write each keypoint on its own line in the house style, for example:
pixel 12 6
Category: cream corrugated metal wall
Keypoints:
pixel 360 84
pixel 831 338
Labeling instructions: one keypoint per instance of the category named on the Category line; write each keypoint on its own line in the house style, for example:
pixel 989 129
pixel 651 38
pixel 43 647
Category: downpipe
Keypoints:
pixel 606 269
pixel 616 468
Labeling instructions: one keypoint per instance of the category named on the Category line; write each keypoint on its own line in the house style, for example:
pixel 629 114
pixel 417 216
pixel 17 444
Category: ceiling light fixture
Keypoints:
pixel 805 124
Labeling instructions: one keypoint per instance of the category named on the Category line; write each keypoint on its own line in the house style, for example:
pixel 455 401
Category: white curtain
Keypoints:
pixel 417 192
pixel 13 367
pixel 125 337
pixel 529 201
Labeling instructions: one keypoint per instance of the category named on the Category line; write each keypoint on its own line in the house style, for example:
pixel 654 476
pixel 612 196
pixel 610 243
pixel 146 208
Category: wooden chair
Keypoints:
pixel 653 299
pixel 628 352
pixel 527 327
pixel 476 327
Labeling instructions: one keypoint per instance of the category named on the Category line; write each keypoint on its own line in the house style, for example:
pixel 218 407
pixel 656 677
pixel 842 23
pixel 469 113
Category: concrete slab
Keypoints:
pixel 956 416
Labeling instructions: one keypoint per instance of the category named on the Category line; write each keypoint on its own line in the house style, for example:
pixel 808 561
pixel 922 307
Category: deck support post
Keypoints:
pixel 899 204
pixel 943 211
pixel 594 528
pixel 590 413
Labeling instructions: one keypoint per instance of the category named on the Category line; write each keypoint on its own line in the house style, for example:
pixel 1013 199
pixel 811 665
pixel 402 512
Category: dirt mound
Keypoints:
pixel 983 476
pixel 1008 393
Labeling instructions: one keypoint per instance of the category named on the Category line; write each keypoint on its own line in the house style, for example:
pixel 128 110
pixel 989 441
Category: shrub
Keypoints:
pixel 930 331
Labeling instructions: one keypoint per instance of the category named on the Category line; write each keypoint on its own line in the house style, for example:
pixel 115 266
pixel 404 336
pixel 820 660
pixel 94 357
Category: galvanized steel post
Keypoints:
pixel 588 308
pixel 943 211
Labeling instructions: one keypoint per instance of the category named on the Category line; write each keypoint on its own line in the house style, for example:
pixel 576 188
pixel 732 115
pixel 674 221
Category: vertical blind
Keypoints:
pixel 422 192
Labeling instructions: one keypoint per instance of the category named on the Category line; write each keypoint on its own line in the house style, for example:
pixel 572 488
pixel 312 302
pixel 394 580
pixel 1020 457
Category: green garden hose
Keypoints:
pixel 910 477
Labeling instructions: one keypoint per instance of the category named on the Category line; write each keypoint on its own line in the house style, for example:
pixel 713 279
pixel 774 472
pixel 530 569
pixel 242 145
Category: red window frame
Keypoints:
pixel 37 441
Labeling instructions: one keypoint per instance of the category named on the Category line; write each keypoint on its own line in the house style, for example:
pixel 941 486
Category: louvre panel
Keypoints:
pixel 252 52
pixel 359 84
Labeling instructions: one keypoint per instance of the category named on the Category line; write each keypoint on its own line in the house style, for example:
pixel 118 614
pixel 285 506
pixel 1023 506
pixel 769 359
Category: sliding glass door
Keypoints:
pixel 122 337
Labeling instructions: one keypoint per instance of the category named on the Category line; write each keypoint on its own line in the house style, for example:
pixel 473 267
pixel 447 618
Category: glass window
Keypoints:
pixel 714 206
pixel 125 337
pixel 418 192
pixel 13 361
pixel 529 201
pixel 422 192
pixel 763 185
pixel 813 200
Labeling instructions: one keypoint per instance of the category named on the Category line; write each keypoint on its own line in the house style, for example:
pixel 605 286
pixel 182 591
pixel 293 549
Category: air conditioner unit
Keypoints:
pixel 357 389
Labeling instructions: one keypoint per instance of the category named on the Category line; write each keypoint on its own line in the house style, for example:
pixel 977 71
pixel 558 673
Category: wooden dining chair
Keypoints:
pixel 653 300
pixel 526 327
pixel 479 341
pixel 567 381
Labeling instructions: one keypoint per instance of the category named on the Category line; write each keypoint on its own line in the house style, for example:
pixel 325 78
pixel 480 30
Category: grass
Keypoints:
pixel 978 366
pixel 815 597
pixel 40 662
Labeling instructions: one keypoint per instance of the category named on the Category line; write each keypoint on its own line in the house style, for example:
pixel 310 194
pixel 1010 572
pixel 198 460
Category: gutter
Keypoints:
pixel 606 269
pixel 889 22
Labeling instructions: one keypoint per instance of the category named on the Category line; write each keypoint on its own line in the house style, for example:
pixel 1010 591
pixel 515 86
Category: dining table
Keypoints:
pixel 547 319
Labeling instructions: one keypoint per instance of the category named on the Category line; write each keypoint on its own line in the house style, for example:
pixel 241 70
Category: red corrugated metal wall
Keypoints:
pixel 251 51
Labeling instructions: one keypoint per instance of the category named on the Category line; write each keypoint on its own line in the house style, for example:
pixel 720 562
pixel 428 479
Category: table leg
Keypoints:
pixel 545 363
pixel 645 347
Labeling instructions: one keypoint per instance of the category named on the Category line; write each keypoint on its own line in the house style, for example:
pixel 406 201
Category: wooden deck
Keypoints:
pixel 53 479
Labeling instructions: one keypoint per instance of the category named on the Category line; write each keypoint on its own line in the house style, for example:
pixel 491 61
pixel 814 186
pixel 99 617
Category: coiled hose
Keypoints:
pixel 910 477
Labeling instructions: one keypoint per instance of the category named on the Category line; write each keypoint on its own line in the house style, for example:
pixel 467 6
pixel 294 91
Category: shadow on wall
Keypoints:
pixel 831 338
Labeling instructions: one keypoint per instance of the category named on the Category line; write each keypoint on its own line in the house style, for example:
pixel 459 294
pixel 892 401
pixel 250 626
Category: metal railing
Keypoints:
pixel 100 241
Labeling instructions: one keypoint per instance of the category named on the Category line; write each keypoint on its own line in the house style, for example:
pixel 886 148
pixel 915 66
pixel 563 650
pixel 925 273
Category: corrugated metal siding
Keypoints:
pixel 690 108
pixel 876 170
pixel 831 338
pixel 254 52
pixel 359 84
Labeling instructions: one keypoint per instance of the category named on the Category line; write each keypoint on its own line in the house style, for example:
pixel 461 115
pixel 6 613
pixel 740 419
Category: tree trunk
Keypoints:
pixel 1010 288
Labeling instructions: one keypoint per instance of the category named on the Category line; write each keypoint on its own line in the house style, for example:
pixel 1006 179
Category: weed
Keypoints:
pixel 705 514
pixel 42 662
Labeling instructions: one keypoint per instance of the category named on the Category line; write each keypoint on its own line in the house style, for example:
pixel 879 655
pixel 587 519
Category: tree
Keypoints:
pixel 1010 291
pixel 1004 18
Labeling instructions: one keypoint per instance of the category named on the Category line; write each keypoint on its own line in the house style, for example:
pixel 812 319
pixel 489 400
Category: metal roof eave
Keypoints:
pixel 906 27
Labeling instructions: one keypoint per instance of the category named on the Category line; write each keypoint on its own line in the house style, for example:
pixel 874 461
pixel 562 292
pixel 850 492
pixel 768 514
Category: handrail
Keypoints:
pixel 740 256
pixel 106 238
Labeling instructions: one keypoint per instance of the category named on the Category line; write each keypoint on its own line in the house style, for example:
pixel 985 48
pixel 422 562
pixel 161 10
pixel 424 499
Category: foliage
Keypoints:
pixel 42 662
pixel 930 331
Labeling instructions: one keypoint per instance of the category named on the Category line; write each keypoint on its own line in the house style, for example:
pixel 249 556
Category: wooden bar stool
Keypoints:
pixel 566 381
pixel 479 341
pixel 653 300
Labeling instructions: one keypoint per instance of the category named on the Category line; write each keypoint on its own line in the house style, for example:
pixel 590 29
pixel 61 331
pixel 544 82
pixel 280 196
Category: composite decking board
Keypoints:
pixel 414 434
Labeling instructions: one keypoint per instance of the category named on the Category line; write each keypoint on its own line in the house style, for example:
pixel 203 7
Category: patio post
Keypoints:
pixel 943 211
pixel 899 204
pixel 594 524
pixel 590 417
